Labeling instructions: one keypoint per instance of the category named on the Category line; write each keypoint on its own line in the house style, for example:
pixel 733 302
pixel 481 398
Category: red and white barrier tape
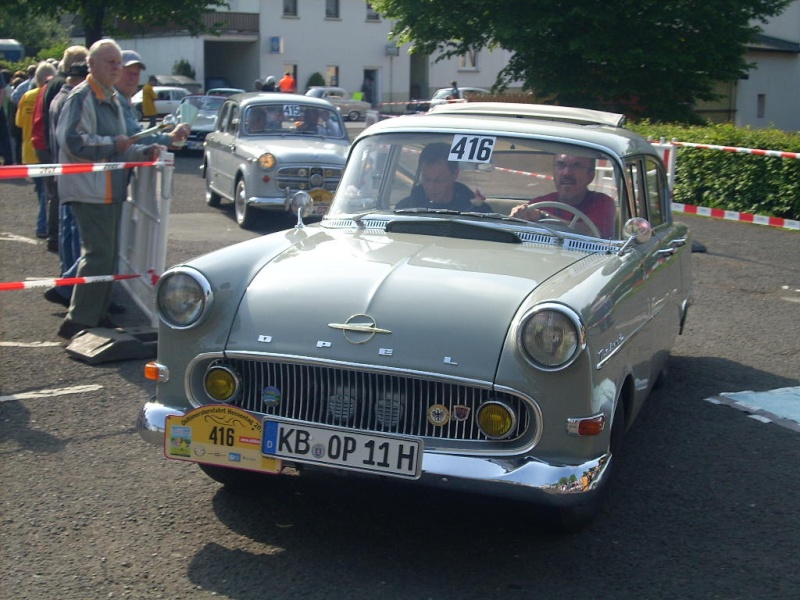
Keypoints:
pixel 61 281
pixel 732 215
pixel 23 171
pixel 755 151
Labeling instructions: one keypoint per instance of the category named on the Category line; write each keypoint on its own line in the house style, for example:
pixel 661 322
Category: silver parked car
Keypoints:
pixel 202 118
pixel 351 109
pixel 486 306
pixel 266 146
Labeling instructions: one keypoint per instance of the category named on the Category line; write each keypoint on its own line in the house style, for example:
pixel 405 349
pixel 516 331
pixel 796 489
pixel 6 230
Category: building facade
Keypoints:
pixel 347 43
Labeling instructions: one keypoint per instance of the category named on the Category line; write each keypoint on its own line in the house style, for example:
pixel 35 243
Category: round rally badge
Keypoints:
pixel 271 396
pixel 438 415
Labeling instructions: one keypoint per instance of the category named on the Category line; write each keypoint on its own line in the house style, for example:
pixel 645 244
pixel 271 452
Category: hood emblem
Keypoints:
pixel 359 329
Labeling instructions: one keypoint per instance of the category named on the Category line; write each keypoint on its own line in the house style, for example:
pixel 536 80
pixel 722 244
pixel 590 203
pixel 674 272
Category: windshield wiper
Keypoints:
pixel 434 211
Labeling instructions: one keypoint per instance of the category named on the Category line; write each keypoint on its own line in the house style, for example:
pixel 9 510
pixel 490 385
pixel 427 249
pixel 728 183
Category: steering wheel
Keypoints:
pixel 579 216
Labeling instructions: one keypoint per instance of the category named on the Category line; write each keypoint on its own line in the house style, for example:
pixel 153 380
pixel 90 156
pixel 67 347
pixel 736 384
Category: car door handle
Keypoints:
pixel 665 252
pixel 677 242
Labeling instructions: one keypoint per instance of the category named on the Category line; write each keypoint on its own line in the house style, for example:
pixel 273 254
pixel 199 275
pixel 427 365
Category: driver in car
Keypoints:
pixel 438 188
pixel 572 176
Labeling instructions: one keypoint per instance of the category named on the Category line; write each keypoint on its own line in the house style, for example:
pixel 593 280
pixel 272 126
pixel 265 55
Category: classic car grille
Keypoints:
pixel 308 178
pixel 372 401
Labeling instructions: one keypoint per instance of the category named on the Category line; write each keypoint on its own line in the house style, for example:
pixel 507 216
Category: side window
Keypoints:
pixel 657 194
pixel 636 187
pixel 233 124
pixel 222 119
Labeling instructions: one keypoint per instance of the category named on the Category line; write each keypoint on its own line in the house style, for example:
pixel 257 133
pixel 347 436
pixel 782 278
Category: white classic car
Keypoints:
pixel 167 100
pixel 351 109
pixel 486 306
pixel 267 146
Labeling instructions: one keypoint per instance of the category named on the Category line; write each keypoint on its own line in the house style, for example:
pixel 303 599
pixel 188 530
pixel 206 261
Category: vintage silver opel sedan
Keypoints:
pixel 490 299
pixel 267 146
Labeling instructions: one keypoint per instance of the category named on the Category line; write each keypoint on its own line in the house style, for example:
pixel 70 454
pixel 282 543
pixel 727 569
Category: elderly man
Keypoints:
pixel 91 129
pixel 127 86
pixel 572 176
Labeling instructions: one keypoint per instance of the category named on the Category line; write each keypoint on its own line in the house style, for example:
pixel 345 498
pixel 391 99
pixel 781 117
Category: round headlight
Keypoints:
pixel 496 420
pixel 551 336
pixel 267 160
pixel 183 297
pixel 221 383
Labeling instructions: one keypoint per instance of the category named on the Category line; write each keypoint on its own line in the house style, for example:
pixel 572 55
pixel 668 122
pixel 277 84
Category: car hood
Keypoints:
pixel 440 304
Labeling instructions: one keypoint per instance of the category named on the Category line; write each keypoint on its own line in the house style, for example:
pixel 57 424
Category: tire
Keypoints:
pixel 235 479
pixel 213 199
pixel 137 110
pixel 353 115
pixel 245 216
pixel 572 519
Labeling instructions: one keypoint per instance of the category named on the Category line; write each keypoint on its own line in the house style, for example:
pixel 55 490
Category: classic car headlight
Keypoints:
pixel 267 160
pixel 551 336
pixel 183 297
pixel 221 383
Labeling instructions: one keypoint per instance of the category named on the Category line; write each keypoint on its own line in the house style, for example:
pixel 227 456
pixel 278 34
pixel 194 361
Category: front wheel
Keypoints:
pixel 353 115
pixel 245 216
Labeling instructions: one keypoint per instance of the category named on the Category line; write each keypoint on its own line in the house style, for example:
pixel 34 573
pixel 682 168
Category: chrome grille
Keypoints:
pixel 309 177
pixel 374 401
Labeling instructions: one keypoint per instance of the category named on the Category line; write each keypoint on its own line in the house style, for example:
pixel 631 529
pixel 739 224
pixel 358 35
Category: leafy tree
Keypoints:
pixel 315 78
pixel 103 18
pixel 33 31
pixel 182 67
pixel 641 57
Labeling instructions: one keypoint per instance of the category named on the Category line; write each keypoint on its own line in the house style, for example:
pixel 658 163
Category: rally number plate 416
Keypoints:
pixel 341 448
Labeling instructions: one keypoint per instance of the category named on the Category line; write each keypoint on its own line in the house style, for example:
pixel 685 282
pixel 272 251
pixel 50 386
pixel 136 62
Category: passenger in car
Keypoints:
pixel 438 188
pixel 572 176
pixel 256 120
pixel 274 117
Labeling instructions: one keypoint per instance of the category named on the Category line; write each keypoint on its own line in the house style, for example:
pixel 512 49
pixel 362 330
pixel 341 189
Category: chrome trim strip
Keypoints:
pixel 622 344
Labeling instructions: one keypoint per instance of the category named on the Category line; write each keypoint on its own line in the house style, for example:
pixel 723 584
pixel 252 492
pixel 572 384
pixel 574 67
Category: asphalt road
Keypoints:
pixel 704 504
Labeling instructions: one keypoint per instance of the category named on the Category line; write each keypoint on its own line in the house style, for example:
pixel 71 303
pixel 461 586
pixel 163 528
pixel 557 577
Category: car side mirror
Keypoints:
pixel 301 204
pixel 635 231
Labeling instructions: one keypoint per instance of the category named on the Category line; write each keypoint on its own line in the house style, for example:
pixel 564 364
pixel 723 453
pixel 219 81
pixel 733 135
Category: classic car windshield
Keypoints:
pixel 211 103
pixel 280 118
pixel 400 172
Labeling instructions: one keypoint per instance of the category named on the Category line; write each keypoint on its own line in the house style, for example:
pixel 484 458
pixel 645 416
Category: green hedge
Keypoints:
pixel 732 181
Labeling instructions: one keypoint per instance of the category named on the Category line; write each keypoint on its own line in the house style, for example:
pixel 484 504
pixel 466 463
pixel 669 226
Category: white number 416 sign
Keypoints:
pixel 472 148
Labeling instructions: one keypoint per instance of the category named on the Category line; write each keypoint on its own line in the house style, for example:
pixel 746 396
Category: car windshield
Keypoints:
pixel 211 103
pixel 294 118
pixel 430 173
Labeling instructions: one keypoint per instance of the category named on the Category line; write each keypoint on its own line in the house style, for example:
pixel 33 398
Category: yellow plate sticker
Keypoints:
pixel 218 435
pixel 321 196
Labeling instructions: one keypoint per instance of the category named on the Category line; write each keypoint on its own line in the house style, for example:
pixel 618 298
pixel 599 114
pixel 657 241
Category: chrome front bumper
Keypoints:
pixel 524 478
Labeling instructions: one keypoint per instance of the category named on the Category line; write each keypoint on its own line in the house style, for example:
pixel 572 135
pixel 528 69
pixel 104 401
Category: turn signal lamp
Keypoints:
pixel 221 383
pixel 155 371
pixel 588 426
pixel 496 420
